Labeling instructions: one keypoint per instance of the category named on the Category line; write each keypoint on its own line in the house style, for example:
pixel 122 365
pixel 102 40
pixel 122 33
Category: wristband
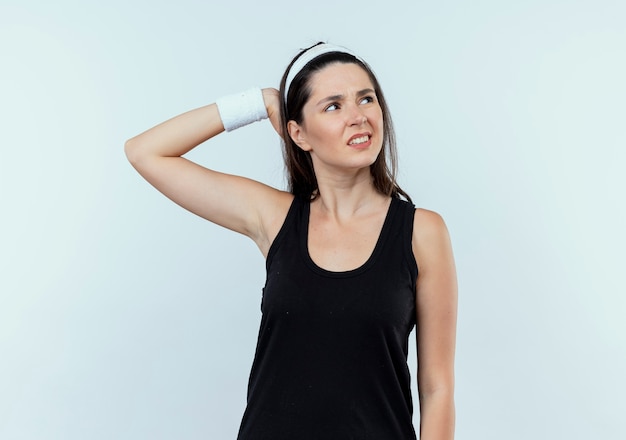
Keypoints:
pixel 242 108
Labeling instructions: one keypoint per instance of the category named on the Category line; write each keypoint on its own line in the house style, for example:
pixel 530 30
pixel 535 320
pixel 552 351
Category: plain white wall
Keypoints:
pixel 123 316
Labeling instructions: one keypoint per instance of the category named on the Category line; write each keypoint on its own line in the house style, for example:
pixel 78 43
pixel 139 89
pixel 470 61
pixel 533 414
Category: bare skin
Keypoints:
pixel 436 300
pixel 237 203
pixel 343 136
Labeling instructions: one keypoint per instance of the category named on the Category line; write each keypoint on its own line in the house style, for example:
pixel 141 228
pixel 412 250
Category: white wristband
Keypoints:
pixel 242 108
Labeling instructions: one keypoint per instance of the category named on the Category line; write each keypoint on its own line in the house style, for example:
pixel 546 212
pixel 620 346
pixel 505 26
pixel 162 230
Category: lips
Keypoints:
pixel 359 139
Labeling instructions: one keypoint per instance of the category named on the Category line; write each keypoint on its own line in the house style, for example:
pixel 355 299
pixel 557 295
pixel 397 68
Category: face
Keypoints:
pixel 342 124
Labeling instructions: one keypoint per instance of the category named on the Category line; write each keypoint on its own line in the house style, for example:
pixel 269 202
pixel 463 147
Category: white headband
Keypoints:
pixel 308 56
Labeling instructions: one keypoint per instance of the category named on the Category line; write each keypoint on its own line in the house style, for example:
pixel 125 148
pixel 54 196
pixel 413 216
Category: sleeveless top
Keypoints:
pixel 331 356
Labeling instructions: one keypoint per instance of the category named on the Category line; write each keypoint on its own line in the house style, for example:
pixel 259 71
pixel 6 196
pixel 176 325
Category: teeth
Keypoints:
pixel 359 140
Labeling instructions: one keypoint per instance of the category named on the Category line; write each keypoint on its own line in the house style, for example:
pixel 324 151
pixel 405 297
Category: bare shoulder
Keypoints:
pixel 428 225
pixel 273 215
pixel 430 236
pixel 275 208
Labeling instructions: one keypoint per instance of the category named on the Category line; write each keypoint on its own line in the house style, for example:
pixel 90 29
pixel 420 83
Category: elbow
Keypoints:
pixel 439 386
pixel 132 151
pixel 443 392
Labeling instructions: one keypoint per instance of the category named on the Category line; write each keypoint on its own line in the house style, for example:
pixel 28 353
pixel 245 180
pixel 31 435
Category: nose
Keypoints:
pixel 356 116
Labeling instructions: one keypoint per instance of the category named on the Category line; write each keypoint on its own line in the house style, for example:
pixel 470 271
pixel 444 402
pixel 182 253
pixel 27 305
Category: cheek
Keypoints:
pixel 329 131
pixel 380 124
pixel 376 118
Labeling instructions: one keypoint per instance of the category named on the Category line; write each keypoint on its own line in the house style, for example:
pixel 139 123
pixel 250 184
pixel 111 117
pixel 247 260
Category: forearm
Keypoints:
pixel 437 416
pixel 176 136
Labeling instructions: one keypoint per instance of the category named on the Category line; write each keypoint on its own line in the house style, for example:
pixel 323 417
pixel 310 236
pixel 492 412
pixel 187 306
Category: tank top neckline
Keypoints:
pixel 371 260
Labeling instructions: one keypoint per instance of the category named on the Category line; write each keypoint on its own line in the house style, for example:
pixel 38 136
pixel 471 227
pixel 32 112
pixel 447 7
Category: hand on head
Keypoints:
pixel 271 97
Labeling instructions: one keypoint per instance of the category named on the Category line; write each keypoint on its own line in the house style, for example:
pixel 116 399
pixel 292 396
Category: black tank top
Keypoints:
pixel 331 357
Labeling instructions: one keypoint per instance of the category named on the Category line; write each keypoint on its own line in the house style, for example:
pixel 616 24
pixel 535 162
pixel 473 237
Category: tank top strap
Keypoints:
pixel 404 221
pixel 291 219
pixel 407 233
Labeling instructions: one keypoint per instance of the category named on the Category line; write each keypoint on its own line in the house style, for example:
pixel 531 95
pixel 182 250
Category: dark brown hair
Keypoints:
pixel 301 175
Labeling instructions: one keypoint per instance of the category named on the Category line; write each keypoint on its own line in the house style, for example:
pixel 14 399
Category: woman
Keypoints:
pixel 342 253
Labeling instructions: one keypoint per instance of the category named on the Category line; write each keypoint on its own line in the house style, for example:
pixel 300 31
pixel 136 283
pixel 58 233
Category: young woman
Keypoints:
pixel 342 250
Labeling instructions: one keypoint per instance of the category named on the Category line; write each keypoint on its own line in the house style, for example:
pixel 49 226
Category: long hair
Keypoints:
pixel 302 181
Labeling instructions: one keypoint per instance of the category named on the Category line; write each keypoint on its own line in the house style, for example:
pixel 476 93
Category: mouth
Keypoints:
pixel 359 139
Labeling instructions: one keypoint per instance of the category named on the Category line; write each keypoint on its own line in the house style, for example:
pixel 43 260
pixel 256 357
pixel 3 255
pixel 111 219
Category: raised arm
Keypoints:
pixel 436 299
pixel 237 203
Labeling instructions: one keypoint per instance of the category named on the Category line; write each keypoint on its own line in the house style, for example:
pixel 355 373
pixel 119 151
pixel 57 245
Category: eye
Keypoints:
pixel 367 100
pixel 332 107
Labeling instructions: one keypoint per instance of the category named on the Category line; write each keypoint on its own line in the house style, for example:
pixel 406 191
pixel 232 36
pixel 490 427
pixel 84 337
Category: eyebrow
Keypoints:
pixel 341 97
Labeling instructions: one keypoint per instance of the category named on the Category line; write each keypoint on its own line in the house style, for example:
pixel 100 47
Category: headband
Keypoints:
pixel 308 56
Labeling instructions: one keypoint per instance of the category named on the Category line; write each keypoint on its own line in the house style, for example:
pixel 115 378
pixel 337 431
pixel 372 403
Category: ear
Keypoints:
pixel 296 133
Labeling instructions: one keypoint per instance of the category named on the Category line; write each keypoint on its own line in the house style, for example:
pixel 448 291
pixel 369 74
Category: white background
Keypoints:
pixel 123 316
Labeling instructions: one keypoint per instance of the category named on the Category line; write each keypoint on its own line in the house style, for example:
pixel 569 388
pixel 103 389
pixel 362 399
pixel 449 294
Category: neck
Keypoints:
pixel 344 195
